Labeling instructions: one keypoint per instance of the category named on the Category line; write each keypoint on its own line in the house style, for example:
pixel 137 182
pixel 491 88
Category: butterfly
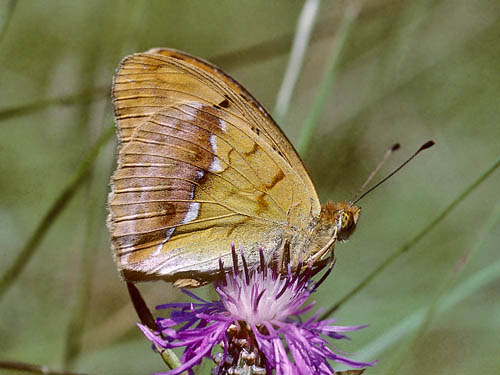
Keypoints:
pixel 201 167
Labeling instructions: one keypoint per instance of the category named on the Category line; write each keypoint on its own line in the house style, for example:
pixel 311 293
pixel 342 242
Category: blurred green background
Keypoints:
pixel 411 71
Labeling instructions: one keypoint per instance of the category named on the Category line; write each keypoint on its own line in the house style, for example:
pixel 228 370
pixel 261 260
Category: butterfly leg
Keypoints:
pixel 285 257
pixel 329 246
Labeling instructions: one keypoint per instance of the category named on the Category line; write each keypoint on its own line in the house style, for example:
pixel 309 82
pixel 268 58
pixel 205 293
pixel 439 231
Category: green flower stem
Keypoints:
pixel 146 317
pixel 169 357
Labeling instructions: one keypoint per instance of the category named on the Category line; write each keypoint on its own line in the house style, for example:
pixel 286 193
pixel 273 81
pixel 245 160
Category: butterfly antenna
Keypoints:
pixel 388 153
pixel 425 146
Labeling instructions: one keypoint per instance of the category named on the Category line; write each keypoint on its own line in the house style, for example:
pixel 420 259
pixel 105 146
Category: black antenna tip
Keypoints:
pixel 426 145
pixel 395 147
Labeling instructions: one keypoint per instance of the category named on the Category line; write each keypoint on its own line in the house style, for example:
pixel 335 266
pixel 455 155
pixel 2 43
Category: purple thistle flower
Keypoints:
pixel 257 324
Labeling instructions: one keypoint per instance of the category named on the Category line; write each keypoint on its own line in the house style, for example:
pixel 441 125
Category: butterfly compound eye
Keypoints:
pixel 349 218
pixel 346 221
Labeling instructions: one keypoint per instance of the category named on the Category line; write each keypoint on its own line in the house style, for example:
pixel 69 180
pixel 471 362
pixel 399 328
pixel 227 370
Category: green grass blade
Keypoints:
pixel 459 293
pixel 78 98
pixel 64 197
pixel 305 24
pixel 415 239
pixel 329 78
pixel 435 306
pixel 97 194
pixel 28 368
pixel 6 12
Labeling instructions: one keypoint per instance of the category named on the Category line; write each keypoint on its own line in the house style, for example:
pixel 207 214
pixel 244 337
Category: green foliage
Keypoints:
pixel 408 72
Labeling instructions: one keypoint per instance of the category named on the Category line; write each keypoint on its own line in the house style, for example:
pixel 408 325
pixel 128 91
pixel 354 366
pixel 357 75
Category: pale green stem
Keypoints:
pixel 329 78
pixel 305 24
pixel 170 358
pixel 6 12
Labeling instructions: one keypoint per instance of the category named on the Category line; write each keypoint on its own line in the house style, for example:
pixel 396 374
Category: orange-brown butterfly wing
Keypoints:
pixel 200 166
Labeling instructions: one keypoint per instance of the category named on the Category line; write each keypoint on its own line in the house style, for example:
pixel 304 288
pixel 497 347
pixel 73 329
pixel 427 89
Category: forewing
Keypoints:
pixel 258 119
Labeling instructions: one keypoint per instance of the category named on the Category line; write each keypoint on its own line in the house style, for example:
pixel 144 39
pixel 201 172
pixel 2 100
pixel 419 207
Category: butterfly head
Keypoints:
pixel 341 217
pixel 337 222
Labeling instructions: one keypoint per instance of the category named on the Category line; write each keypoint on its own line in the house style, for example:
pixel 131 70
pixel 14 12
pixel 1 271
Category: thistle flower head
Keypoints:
pixel 257 325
